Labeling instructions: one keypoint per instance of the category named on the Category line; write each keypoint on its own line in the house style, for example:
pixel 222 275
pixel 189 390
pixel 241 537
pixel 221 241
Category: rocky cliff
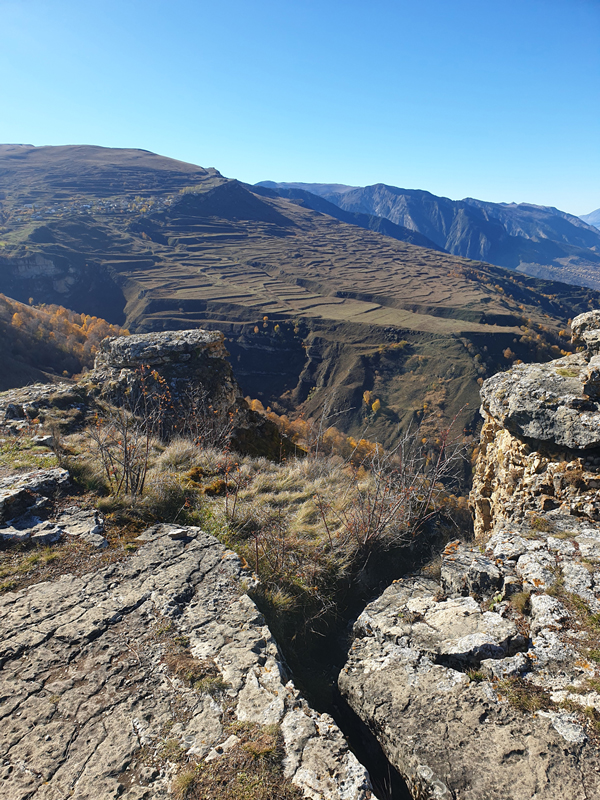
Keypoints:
pixel 486 683
pixel 173 362
pixel 144 669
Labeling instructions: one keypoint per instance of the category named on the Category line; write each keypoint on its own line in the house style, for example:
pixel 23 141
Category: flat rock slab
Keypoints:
pixel 76 521
pixel 87 696
pixel 20 492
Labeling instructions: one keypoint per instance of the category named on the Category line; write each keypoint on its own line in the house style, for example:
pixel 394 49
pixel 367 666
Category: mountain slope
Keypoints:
pixel 592 219
pixel 537 240
pixel 368 221
pixel 312 307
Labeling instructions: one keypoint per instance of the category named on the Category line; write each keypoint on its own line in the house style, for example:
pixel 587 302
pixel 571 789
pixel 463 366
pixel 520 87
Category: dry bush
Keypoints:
pixel 306 525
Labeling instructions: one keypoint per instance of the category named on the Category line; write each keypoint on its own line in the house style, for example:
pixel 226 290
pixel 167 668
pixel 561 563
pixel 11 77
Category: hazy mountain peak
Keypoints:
pixel 592 219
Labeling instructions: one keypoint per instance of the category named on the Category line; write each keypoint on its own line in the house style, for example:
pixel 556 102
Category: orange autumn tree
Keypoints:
pixel 52 337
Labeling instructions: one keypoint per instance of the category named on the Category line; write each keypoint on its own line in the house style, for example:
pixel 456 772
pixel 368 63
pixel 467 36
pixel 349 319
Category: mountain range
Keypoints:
pixel 537 240
pixel 319 310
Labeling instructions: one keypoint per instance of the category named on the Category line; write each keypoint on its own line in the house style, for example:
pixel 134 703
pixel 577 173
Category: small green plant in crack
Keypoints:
pixel 568 373
pixel 164 628
pixel 523 695
pixel 497 598
pixel 475 675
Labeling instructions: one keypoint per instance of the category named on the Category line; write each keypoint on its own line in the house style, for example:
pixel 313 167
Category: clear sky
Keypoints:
pixel 494 99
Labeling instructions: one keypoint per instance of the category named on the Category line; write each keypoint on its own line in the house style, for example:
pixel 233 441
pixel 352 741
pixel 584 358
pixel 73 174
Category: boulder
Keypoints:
pixel 545 403
pixel 25 491
pixel 589 321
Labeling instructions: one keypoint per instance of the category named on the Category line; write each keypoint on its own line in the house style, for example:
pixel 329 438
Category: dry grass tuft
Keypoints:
pixel 251 770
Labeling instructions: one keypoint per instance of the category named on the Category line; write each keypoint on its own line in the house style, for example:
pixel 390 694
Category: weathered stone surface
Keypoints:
pixel 407 676
pixel 27 491
pixel 20 407
pixel 75 521
pixel 545 402
pixel 86 685
pixel 589 321
pixel 443 680
pixel 158 348
pixel 466 571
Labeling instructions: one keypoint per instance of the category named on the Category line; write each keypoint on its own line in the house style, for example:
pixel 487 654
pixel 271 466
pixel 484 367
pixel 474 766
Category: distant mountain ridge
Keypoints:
pixel 593 218
pixel 538 240
pixel 312 307
pixel 370 222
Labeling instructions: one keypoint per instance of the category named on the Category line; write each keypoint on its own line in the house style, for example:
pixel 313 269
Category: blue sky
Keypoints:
pixel 480 98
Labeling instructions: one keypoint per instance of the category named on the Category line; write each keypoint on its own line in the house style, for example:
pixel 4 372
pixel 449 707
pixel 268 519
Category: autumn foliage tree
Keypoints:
pixel 51 337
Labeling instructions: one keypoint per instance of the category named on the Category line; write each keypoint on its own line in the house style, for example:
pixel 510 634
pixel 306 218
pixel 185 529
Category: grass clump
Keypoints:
pixel 203 676
pixel 594 654
pixel 476 675
pixel 521 602
pixel 250 770
pixel 524 695
pixel 540 524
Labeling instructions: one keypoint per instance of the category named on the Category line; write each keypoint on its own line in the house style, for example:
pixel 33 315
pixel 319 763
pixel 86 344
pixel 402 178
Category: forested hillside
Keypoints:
pixel 42 342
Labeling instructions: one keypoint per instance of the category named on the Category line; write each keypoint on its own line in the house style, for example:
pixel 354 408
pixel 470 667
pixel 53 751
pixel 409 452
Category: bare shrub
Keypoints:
pixel 195 418
pixel 122 443
pixel 391 494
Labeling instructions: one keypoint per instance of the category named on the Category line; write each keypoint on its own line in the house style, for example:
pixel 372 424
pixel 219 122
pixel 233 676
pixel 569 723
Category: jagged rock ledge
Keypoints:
pixel 94 706
pixel 486 684
pixel 540 441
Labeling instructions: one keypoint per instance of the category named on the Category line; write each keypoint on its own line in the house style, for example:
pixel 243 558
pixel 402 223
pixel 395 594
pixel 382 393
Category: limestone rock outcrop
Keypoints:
pixel 183 359
pixel 188 372
pixel 479 704
pixel 540 441
pixel 182 377
pixel 96 703
pixel 485 684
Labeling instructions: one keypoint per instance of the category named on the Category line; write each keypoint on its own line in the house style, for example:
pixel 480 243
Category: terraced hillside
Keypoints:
pixel 311 306
pixel 536 240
